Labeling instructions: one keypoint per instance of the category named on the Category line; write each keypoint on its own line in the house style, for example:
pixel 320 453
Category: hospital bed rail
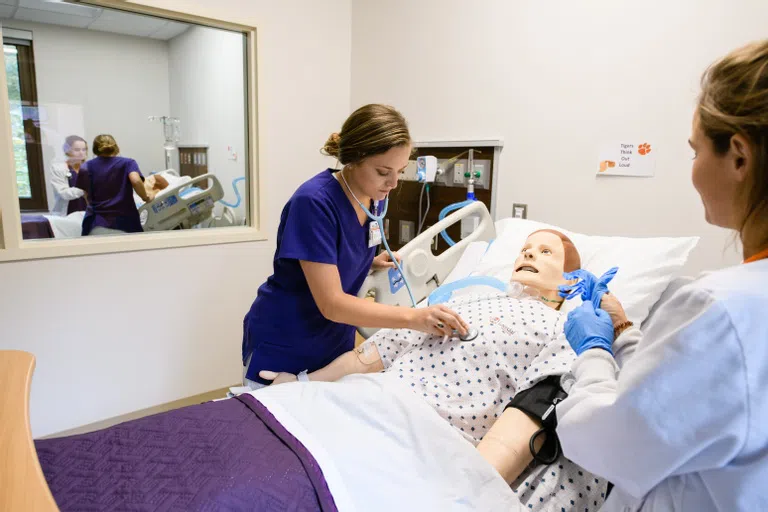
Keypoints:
pixel 423 269
pixel 171 209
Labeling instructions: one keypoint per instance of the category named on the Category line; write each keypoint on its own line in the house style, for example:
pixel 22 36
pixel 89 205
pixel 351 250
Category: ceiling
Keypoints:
pixel 58 12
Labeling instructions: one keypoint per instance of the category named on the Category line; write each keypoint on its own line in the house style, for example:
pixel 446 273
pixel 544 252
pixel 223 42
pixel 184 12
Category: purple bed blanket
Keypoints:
pixel 227 455
pixel 34 227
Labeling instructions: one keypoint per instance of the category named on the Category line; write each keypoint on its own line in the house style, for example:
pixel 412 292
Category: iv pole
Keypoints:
pixel 171 134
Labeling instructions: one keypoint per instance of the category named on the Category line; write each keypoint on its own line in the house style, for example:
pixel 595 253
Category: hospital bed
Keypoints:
pixel 34 227
pixel 284 447
pixel 185 203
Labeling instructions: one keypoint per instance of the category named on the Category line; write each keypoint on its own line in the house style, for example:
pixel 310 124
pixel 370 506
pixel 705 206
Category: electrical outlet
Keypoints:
pixel 484 167
pixel 458 173
pixel 409 174
pixel 407 229
pixel 520 211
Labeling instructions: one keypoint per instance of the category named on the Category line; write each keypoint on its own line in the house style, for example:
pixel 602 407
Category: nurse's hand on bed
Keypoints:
pixel 438 320
pixel 383 261
pixel 277 378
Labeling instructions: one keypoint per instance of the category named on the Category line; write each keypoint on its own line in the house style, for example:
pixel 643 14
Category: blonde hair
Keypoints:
pixel 734 100
pixel 105 145
pixel 370 130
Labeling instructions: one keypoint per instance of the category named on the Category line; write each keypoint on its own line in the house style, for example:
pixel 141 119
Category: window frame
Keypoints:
pixel 28 88
pixel 14 248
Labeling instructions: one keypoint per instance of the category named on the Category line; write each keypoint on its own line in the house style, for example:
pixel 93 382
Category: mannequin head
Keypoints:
pixel 545 256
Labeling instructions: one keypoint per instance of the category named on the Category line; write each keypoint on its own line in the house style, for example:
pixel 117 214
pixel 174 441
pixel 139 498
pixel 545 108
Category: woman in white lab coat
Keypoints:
pixel 67 197
pixel 679 419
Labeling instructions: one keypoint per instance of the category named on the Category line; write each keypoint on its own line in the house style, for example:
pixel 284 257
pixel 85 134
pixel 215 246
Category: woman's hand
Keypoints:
pixel 383 261
pixel 611 305
pixel 438 320
pixel 277 377
pixel 588 328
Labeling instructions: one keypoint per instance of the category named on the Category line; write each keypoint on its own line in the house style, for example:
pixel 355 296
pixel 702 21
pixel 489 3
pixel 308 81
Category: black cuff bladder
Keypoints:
pixel 539 403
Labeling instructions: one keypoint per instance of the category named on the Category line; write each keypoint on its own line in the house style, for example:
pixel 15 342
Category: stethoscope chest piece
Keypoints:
pixel 472 333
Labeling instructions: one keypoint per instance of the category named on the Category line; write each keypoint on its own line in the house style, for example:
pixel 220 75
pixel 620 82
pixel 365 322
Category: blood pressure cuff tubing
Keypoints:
pixel 536 402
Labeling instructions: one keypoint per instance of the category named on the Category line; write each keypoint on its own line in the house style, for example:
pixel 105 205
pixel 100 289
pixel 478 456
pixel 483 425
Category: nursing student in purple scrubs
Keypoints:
pixel 109 181
pixel 303 315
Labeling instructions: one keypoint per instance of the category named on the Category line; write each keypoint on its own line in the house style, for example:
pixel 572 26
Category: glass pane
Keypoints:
pixel 17 120
pixel 171 107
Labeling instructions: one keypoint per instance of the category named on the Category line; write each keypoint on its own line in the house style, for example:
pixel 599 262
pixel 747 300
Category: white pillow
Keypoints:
pixel 468 261
pixel 646 265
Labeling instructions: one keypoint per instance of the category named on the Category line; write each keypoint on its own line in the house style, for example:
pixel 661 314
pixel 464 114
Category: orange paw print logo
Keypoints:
pixel 606 164
pixel 644 148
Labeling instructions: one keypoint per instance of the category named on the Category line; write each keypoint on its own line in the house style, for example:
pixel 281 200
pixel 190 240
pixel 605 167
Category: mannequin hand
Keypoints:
pixel 277 378
pixel 383 261
pixel 438 320
pixel 611 305
pixel 588 328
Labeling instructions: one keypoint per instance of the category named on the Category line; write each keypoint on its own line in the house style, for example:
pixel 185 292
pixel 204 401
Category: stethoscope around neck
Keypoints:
pixel 376 218
pixel 379 219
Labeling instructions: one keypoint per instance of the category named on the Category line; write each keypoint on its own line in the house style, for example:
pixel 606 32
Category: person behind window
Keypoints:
pixel 67 197
pixel 109 181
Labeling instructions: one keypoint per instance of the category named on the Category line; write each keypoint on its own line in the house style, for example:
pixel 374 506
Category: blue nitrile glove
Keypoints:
pixel 601 287
pixel 588 286
pixel 589 327
pixel 584 285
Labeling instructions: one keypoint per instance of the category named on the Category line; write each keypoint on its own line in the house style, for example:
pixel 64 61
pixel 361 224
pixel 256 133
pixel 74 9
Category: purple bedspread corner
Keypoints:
pixel 34 227
pixel 309 462
pixel 226 455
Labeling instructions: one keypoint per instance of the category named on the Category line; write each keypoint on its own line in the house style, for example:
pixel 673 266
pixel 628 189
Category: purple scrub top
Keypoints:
pixel 110 194
pixel 284 329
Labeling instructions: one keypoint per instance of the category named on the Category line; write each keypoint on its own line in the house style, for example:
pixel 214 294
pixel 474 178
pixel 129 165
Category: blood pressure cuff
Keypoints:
pixel 538 402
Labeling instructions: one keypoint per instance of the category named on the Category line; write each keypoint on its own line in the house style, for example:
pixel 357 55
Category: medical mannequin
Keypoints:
pixel 154 184
pixel 538 268
pixel 67 197
pixel 520 347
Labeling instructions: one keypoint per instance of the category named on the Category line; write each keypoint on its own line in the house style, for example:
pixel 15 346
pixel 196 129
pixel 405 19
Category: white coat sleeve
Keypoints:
pixel 678 405
pixel 61 186
pixel 626 344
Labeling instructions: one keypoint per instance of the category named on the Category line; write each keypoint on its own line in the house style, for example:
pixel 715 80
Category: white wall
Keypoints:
pixel 208 95
pixel 554 80
pixel 100 350
pixel 91 82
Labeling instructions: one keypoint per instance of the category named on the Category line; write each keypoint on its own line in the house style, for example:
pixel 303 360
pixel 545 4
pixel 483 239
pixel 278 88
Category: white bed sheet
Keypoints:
pixel 70 226
pixel 381 448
